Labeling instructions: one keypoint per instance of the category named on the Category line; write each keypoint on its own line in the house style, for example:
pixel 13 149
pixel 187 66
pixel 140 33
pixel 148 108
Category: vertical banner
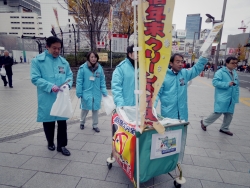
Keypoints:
pixel 56 15
pixel 110 23
pixel 155 39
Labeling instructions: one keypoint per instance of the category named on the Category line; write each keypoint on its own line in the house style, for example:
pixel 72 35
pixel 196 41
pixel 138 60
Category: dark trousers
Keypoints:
pixel 49 130
pixel 9 79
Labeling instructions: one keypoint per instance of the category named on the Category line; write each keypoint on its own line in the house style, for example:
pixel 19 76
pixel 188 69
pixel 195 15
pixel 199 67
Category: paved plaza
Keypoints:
pixel 212 159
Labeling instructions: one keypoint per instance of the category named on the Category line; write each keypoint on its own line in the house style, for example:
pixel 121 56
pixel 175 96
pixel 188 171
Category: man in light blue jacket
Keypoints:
pixel 123 81
pixel 49 71
pixel 173 92
pixel 90 86
pixel 226 85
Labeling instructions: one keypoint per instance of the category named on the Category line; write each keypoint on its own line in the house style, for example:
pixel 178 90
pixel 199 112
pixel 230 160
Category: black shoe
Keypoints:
pixel 52 147
pixel 96 129
pixel 5 84
pixel 64 151
pixel 82 126
pixel 204 128
pixel 227 132
pixel 11 86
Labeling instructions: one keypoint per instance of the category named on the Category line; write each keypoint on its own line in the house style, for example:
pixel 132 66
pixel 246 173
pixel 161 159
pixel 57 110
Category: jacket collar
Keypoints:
pixel 42 56
pixel 128 62
pixel 92 69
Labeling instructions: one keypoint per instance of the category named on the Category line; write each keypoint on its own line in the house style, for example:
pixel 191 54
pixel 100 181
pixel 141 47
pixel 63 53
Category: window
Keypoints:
pixel 69 20
pixel 3 33
pixel 27 17
pixel 28 28
pixel 15 22
pixel 13 33
pixel 28 22
pixel 29 33
pixel 40 28
pixel 41 33
pixel 69 25
pixel 14 16
pixel 69 36
pixel 15 27
pixel 40 22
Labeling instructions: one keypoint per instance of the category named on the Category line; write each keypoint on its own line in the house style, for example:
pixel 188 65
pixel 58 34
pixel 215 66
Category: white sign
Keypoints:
pixel 100 44
pixel 119 43
pixel 210 39
pixel 181 33
pixel 166 144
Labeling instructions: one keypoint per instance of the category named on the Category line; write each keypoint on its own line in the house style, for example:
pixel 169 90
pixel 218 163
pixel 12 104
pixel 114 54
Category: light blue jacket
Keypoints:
pixel 173 92
pixel 123 84
pixel 90 91
pixel 45 72
pixel 225 96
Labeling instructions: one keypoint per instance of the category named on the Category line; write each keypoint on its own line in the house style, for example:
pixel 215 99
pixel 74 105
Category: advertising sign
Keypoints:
pixel 103 57
pixel 119 43
pixel 181 33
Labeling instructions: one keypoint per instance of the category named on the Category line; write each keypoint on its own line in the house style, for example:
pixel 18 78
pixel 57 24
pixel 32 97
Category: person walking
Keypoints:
pixel 123 81
pixel 90 87
pixel 226 85
pixel 7 62
pixel 48 72
pixel 21 59
pixel 173 92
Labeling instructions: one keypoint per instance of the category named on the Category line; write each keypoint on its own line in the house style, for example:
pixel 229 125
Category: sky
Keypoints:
pixel 236 11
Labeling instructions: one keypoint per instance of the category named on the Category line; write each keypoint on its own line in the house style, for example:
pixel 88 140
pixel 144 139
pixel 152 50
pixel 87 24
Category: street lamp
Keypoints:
pixel 212 19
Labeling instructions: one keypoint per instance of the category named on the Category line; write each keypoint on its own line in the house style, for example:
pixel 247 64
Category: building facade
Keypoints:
pixel 193 26
pixel 18 24
pixel 20 17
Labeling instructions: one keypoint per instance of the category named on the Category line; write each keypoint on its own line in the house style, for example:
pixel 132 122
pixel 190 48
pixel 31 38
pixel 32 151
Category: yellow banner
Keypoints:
pixel 110 23
pixel 155 38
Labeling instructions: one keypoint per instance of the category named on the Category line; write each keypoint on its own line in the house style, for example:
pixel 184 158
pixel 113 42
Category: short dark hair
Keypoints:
pixel 92 52
pixel 51 40
pixel 230 58
pixel 173 56
pixel 130 49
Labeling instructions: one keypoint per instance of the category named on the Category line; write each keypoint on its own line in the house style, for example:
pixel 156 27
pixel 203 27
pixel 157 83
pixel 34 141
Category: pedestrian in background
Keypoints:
pixel 21 59
pixel 90 87
pixel 123 81
pixel 48 72
pixel 226 85
pixel 6 62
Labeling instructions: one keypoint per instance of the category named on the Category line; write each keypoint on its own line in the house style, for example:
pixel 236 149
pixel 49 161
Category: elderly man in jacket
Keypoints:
pixel 48 72
pixel 173 92
pixel 7 62
pixel 226 85
pixel 123 81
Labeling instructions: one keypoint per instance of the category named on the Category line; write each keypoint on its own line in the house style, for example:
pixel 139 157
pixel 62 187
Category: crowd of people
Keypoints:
pixel 49 72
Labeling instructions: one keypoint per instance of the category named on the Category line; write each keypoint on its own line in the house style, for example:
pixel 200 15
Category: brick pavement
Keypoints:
pixel 211 159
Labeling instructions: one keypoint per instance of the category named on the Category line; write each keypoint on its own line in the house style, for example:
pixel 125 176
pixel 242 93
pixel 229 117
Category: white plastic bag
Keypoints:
pixel 3 72
pixel 62 107
pixel 109 104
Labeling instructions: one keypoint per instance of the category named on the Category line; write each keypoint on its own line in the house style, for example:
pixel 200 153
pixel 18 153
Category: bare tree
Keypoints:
pixel 124 22
pixel 91 16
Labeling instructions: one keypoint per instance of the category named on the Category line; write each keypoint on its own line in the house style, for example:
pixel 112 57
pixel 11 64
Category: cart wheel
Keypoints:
pixel 177 185
pixel 109 165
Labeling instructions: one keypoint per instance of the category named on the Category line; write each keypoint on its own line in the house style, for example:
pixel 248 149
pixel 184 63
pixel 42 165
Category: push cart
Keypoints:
pixel 158 153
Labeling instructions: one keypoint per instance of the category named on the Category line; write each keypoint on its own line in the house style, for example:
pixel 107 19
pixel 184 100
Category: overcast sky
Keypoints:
pixel 236 11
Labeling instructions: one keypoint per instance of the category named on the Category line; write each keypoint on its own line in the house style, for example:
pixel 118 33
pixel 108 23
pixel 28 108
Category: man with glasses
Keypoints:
pixel 173 92
pixel 226 85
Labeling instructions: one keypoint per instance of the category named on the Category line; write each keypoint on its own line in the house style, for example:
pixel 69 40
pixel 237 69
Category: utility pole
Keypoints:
pixel 220 34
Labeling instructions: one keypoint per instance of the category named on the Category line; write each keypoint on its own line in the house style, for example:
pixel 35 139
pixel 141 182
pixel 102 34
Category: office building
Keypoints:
pixel 193 26
pixel 20 17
